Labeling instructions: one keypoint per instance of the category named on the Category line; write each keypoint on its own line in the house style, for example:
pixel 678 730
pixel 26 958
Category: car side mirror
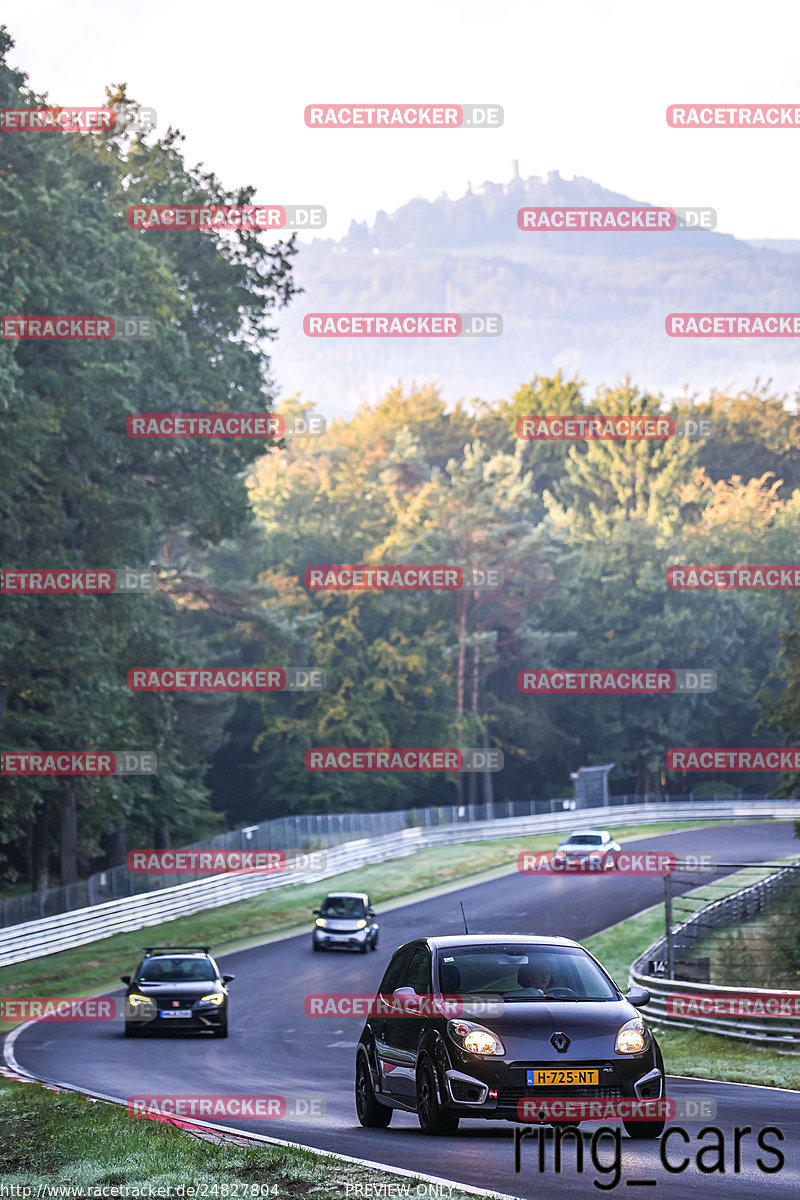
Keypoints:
pixel 404 991
pixel 315 911
pixel 638 996
pixel 227 978
pixel 125 978
pixel 370 912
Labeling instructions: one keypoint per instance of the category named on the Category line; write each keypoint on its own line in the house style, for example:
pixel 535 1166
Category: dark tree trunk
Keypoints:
pixel 162 839
pixel 472 788
pixel 40 849
pixel 488 794
pixel 69 834
pixel 117 844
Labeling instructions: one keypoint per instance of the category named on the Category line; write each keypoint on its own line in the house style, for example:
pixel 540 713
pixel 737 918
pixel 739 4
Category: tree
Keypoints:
pixel 750 434
pixel 78 492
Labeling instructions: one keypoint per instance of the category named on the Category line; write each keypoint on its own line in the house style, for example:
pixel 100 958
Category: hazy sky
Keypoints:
pixel 584 85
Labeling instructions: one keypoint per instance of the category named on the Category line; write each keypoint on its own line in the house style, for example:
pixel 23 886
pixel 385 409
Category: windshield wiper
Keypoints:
pixel 523 999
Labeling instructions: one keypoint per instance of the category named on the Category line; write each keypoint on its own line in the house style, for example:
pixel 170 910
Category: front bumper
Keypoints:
pixel 332 938
pixel 496 1088
pixel 202 1016
pixel 581 862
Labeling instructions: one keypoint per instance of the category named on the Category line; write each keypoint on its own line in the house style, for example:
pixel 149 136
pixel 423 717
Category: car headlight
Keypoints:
pixel 321 922
pixel 214 998
pixel 631 1037
pixel 135 999
pixel 361 924
pixel 475 1038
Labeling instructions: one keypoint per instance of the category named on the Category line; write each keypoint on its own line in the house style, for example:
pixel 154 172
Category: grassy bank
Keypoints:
pixel 97 966
pixel 61 1139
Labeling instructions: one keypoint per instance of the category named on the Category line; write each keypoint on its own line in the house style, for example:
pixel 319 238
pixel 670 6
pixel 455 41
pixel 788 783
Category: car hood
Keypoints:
pixel 583 848
pixel 591 1026
pixel 190 988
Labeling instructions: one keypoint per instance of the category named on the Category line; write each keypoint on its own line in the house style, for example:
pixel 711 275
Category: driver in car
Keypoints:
pixel 535 977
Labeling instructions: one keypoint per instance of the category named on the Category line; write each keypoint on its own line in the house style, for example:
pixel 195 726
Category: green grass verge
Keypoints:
pixel 765 949
pixel 97 966
pixel 62 1139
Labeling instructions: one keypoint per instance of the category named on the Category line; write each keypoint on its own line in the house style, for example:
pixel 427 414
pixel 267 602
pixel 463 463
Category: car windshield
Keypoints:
pixel 176 970
pixel 584 839
pixel 343 907
pixel 523 973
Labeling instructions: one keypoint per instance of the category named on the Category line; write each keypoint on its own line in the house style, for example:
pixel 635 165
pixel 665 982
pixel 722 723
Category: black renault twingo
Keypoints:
pixel 471 1026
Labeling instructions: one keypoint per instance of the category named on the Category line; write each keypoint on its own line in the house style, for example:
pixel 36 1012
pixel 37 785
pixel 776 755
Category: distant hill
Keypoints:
pixel 782 245
pixel 591 303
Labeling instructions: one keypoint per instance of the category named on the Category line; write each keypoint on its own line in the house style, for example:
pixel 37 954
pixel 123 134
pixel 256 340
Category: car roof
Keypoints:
pixel 178 952
pixel 346 896
pixel 590 832
pixel 450 941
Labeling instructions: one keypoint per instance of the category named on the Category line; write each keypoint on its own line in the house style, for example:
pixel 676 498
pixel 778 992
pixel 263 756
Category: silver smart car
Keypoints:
pixel 346 919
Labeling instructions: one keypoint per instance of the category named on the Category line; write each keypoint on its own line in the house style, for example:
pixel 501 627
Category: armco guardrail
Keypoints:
pixel 773 1032
pixel 730 910
pixel 51 934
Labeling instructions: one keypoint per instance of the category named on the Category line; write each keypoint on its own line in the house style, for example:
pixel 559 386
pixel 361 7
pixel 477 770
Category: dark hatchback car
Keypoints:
pixel 561 1028
pixel 180 987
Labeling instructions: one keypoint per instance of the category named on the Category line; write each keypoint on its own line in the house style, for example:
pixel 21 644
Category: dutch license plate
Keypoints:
pixel 568 1077
pixel 176 1012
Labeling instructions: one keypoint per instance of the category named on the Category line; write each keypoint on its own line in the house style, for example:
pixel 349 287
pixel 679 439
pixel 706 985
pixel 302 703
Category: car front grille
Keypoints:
pixel 509 1097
